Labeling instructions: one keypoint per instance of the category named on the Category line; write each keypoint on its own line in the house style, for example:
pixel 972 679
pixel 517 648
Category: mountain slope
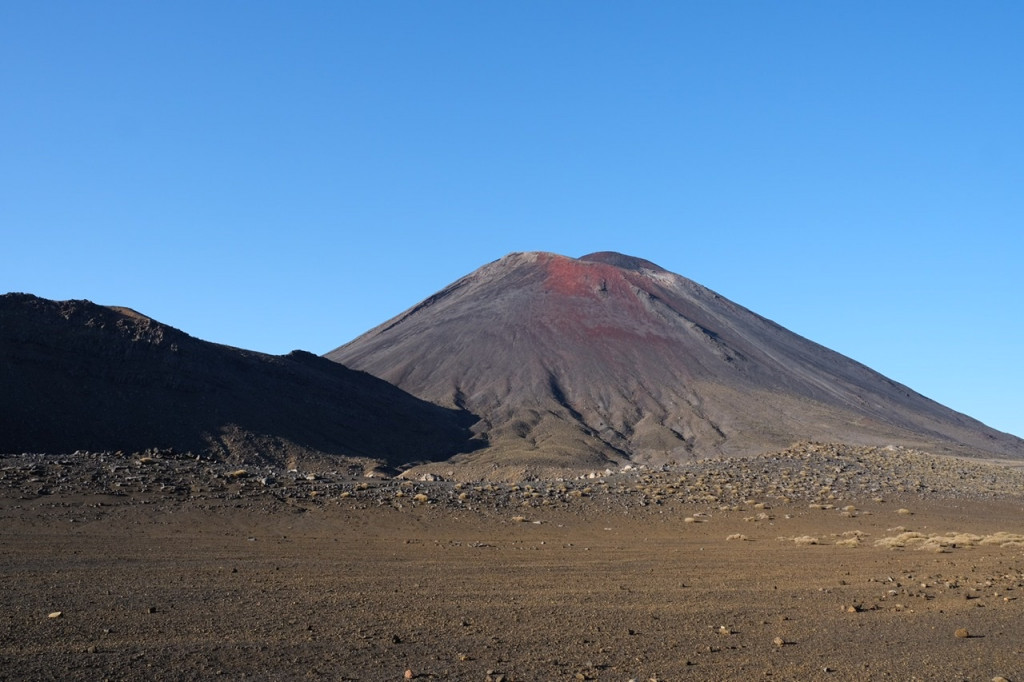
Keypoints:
pixel 76 375
pixel 607 358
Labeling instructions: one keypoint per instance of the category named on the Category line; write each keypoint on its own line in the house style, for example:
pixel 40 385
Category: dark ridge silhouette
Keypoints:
pixel 79 376
pixel 609 357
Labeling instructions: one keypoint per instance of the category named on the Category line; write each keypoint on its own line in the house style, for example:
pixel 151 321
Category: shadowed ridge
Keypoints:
pixel 607 357
pixel 80 376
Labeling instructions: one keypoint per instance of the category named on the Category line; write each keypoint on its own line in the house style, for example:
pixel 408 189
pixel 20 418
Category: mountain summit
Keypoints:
pixel 608 358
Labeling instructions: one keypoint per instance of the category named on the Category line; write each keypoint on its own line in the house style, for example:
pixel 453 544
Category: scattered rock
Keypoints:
pixel 806 540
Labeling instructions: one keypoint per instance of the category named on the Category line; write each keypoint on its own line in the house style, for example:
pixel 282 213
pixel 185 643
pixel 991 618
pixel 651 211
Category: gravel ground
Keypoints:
pixel 826 473
pixel 819 562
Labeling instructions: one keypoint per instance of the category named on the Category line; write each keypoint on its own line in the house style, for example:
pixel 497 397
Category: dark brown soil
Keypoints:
pixel 166 569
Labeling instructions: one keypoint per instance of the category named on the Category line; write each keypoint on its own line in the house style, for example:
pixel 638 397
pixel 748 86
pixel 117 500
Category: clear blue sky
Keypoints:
pixel 279 175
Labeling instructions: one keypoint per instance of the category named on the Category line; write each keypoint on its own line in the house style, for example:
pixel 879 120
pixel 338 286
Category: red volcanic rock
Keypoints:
pixel 80 376
pixel 608 358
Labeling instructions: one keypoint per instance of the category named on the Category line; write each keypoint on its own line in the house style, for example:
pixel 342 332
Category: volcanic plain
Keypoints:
pixel 818 562
pixel 552 469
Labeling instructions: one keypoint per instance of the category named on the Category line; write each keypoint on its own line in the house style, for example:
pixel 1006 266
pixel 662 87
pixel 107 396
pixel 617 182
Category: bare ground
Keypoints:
pixel 175 569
